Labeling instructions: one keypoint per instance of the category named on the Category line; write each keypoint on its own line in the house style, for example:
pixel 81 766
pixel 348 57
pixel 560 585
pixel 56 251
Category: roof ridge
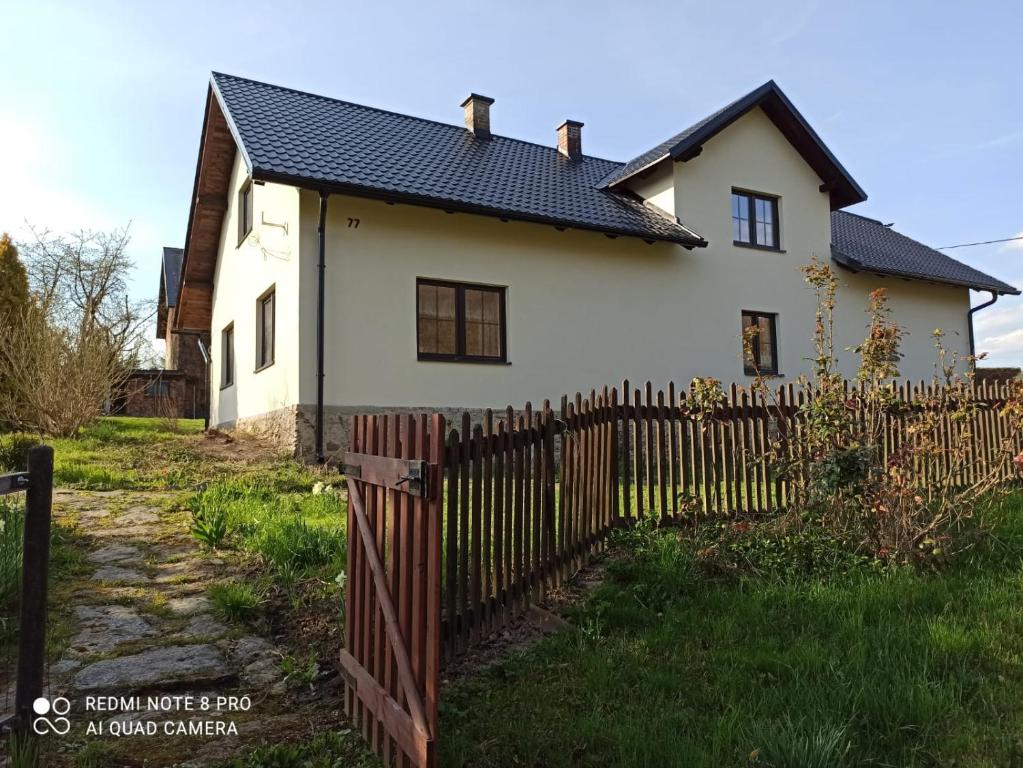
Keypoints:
pixel 395 113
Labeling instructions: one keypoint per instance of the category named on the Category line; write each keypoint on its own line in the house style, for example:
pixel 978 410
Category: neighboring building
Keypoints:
pixel 469 270
pixel 183 351
pixel 180 389
pixel 151 392
pixel 996 375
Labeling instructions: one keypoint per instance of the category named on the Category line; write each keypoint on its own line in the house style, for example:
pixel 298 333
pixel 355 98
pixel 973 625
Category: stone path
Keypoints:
pixel 142 624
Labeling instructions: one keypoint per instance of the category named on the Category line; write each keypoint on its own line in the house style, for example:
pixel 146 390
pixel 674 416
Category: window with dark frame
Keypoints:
pixel 265 329
pixel 761 354
pixel 460 322
pixel 157 389
pixel 244 211
pixel 755 220
pixel 227 356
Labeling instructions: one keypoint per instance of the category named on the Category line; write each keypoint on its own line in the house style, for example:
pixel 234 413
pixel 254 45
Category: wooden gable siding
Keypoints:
pixel 209 204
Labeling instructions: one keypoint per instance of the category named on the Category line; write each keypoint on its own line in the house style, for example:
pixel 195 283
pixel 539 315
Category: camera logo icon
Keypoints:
pixel 58 723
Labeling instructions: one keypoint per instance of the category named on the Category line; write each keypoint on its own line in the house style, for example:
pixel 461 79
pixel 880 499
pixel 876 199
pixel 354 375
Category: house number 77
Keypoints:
pixel 353 223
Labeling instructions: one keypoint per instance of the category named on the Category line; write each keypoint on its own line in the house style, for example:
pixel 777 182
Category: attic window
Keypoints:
pixel 244 211
pixel 755 220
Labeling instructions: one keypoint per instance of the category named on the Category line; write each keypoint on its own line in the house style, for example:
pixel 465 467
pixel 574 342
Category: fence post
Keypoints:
pixel 35 575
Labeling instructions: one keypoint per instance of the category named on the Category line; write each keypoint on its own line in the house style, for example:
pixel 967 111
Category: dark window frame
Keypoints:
pixel 268 296
pixel 751 210
pixel 772 317
pixel 460 356
pixel 245 209
pixel 227 359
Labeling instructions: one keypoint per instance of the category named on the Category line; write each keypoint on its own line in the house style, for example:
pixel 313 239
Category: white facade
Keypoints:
pixel 583 310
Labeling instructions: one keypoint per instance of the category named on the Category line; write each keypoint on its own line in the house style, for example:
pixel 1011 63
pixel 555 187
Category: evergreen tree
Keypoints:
pixel 14 296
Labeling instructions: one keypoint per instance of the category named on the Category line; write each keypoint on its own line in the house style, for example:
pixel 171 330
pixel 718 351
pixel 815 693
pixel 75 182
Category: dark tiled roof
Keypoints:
pixel 171 273
pixel 866 245
pixel 776 105
pixel 297 137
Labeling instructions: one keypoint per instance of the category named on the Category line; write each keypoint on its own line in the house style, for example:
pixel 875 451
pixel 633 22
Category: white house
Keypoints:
pixel 346 258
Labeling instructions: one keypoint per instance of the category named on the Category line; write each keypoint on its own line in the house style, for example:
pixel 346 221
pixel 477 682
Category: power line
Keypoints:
pixel 985 242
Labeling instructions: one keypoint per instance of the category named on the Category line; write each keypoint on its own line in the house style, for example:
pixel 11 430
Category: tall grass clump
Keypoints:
pixel 294 535
pixel 14 451
pixel 12 522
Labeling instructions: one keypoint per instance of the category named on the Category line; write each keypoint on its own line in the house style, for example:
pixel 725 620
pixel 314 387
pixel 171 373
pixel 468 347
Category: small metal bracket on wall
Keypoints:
pixel 265 223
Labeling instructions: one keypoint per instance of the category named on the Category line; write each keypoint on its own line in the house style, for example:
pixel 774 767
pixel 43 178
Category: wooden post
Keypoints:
pixel 35 576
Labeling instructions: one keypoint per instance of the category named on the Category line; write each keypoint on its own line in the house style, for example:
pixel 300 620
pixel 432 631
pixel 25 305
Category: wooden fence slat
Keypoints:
pixel 651 463
pixel 509 512
pixel 353 590
pixel 368 603
pixel 476 536
pixel 450 543
pixel 638 450
pixel 662 452
pixel 520 490
pixel 570 451
pixel 626 455
pixel 673 460
pixel 433 575
pixel 535 437
pixel 498 614
pixel 463 534
pixel 488 516
pixel 550 495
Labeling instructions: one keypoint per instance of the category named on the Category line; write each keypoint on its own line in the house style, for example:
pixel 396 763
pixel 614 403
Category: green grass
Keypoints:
pixel 294 535
pixel 234 601
pixel 324 750
pixel 669 667
pixel 122 452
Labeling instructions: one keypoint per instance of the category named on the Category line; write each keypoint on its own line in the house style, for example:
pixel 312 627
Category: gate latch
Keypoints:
pixel 416 478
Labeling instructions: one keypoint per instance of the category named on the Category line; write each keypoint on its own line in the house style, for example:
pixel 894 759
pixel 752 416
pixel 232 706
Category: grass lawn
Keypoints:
pixel 667 666
pixel 128 453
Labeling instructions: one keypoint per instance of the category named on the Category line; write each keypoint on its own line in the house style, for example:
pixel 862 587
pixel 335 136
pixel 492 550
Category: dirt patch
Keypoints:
pixel 243 449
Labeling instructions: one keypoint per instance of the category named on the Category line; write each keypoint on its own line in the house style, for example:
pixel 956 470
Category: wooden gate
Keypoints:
pixel 391 656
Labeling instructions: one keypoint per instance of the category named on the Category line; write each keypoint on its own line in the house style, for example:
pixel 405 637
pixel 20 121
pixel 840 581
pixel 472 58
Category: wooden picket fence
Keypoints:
pixel 452 534
pixel 531 494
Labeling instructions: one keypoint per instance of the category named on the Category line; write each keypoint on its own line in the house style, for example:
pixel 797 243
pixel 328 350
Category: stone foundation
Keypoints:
pixel 293 428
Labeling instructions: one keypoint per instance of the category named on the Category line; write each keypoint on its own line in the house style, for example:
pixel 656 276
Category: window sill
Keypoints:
pixel 765 374
pixel 263 367
pixel 755 247
pixel 226 386
pixel 470 360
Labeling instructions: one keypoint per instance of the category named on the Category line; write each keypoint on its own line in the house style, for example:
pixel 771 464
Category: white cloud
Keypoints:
pixel 997 318
pixel 1006 343
pixel 1014 245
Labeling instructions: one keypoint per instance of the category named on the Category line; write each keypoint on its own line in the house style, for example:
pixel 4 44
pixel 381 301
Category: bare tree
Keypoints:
pixel 78 343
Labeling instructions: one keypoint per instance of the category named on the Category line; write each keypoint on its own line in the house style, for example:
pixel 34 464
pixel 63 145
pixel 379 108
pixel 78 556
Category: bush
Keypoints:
pixel 14 451
pixel 904 500
pixel 12 521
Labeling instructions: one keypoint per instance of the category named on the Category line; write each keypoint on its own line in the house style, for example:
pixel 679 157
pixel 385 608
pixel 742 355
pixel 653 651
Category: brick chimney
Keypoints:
pixel 477 114
pixel 570 139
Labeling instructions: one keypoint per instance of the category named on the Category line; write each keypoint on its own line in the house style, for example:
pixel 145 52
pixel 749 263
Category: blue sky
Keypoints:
pixel 102 102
